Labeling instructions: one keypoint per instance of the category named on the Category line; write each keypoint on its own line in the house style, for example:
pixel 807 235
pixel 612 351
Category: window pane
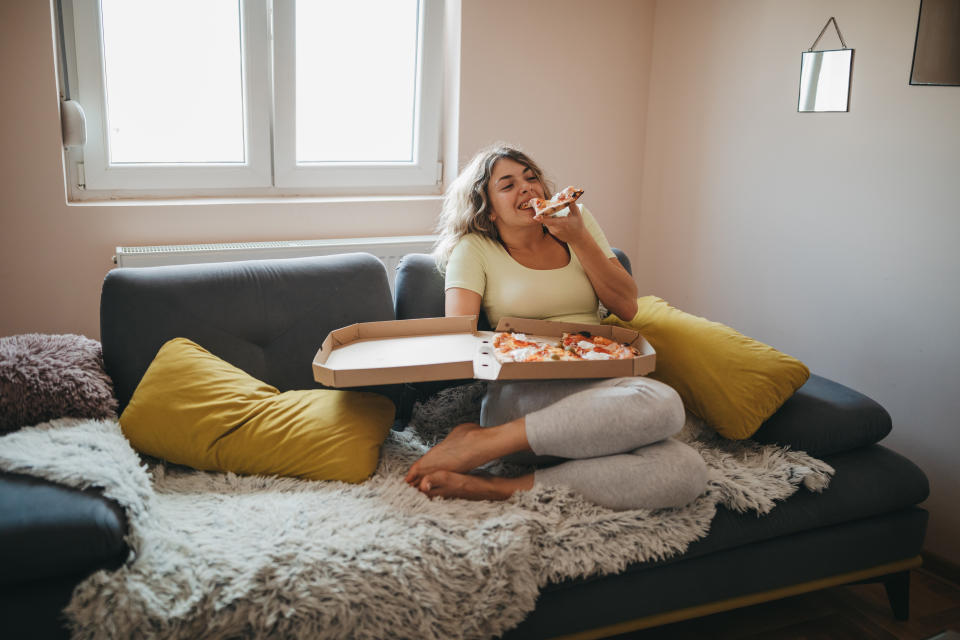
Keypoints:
pixel 356 79
pixel 173 80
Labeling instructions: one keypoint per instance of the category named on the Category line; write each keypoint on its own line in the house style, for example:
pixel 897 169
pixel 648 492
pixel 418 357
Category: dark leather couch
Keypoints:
pixel 269 317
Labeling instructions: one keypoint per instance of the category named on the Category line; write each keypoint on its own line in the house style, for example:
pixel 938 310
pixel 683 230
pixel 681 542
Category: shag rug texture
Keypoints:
pixel 221 556
pixel 44 376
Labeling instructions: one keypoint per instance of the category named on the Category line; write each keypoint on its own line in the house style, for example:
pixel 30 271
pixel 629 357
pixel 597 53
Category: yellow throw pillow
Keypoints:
pixel 193 408
pixel 731 381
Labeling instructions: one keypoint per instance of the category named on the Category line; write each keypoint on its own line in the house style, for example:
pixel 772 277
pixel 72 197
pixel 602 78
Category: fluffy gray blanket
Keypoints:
pixel 222 556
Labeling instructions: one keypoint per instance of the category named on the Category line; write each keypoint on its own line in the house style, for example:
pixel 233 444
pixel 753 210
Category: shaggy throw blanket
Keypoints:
pixel 44 376
pixel 222 556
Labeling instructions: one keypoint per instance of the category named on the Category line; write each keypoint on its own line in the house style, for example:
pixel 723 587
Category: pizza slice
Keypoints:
pixel 557 206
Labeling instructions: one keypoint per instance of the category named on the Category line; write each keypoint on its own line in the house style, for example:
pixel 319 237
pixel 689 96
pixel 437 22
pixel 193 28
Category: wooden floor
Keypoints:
pixel 857 612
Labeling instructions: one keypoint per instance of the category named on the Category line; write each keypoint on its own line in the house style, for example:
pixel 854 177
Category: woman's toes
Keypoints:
pixel 457 452
pixel 413 474
pixel 436 483
pixel 425 485
pixel 447 484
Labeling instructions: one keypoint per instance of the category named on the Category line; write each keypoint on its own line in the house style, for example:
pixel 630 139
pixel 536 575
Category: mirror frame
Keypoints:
pixel 846 108
pixel 935 31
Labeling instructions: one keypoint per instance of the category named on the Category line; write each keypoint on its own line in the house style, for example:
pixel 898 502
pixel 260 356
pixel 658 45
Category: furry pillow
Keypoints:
pixel 43 377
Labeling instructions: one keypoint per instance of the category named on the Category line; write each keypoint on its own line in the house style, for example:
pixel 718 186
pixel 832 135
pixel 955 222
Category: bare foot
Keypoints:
pixel 447 484
pixel 458 452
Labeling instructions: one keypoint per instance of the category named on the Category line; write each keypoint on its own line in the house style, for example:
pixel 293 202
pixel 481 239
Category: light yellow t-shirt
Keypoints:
pixel 508 288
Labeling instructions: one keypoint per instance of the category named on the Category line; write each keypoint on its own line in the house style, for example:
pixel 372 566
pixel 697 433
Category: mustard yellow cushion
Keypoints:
pixel 731 381
pixel 193 408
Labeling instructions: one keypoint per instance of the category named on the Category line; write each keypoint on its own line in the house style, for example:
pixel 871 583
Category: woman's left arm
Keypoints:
pixel 613 284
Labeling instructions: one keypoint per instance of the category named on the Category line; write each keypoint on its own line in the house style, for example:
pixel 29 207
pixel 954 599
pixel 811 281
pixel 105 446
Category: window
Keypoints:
pixel 252 97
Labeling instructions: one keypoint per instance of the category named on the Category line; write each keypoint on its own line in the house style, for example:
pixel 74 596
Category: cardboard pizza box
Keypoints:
pixel 424 349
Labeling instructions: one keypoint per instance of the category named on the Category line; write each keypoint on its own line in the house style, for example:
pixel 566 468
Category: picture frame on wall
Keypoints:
pixel 936 51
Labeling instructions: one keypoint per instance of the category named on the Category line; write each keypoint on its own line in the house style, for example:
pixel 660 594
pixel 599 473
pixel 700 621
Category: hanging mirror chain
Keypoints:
pixel 835 26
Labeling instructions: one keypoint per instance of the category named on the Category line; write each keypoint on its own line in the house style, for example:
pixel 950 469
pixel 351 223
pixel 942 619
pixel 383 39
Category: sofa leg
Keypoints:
pixel 898 593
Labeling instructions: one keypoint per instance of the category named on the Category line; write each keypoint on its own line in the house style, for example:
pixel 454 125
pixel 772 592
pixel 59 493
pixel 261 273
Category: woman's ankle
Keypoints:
pixel 521 483
pixel 509 437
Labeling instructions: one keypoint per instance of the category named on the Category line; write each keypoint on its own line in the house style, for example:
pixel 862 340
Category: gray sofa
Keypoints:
pixel 269 317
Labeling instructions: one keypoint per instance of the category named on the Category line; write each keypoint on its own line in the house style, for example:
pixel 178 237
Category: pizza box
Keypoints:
pixel 424 349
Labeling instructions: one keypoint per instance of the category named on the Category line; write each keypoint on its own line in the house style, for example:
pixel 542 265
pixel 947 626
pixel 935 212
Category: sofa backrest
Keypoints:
pixel 267 317
pixel 419 288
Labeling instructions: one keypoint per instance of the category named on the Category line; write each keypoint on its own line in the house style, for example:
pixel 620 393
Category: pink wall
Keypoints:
pixel 53 257
pixel 831 236
pixel 567 81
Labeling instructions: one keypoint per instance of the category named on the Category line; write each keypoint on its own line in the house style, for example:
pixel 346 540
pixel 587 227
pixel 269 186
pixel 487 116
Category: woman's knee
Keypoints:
pixel 658 403
pixel 675 473
pixel 690 474
pixel 661 475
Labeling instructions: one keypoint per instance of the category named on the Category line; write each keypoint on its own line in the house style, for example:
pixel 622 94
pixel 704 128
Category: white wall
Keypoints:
pixel 830 236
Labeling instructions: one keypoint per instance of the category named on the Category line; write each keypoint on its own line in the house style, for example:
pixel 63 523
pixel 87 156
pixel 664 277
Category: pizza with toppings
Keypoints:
pixel 511 346
pixel 591 347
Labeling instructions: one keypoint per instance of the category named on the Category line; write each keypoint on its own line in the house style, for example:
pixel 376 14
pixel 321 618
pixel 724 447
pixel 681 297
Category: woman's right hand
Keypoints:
pixel 569 228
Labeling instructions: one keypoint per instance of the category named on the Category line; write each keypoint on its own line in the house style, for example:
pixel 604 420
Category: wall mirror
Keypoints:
pixel 825 77
pixel 936 53
pixel 825 80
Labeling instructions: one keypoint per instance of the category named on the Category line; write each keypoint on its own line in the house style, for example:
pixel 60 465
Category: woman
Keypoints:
pixel 611 436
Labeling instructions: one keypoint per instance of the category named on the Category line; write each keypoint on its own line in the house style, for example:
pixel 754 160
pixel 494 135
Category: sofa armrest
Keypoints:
pixel 824 417
pixel 49 530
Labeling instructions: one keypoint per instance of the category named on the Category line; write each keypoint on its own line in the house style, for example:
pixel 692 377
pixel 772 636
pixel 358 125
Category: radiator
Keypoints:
pixel 388 250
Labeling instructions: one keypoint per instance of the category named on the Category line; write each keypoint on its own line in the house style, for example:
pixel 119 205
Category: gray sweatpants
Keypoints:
pixel 610 438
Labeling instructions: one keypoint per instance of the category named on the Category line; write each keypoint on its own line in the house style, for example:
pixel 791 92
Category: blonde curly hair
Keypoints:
pixel 466 208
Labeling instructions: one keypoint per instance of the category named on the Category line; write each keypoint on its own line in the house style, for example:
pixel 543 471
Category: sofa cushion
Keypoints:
pixel 195 409
pixel 867 482
pixel 824 418
pixel 419 288
pixel 731 381
pixel 43 377
pixel 267 317
pixel 591 609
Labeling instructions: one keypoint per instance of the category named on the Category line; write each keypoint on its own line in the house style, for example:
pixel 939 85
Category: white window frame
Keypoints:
pixel 268 36
pixel 424 167
pixel 100 174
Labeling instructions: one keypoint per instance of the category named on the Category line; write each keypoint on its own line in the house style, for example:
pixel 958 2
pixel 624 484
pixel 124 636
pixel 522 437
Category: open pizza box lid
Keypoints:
pixel 397 351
